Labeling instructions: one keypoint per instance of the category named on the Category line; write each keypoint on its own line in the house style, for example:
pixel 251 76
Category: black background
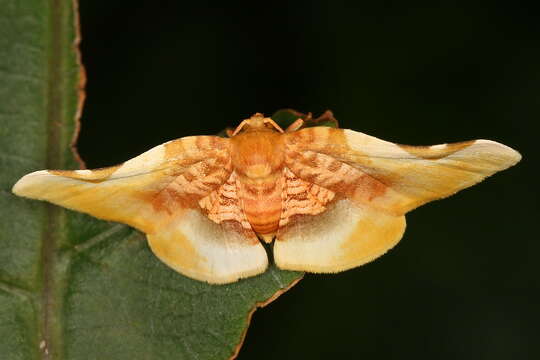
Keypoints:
pixel 463 283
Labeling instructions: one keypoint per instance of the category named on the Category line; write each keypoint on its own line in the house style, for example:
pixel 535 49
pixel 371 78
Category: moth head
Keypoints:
pixel 257 123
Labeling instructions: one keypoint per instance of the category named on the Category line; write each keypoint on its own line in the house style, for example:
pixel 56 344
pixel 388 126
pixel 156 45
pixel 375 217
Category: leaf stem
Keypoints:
pixel 58 90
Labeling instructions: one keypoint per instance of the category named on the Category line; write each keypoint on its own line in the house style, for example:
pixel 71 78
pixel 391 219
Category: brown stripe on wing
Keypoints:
pixel 336 176
pixel 222 207
pixel 319 138
pixel 193 145
pixel 300 197
pixel 182 188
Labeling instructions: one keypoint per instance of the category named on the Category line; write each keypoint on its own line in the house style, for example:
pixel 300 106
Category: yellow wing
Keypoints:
pixel 374 183
pixel 168 192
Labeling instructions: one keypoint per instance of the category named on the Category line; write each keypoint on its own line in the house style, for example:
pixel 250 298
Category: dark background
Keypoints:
pixel 463 282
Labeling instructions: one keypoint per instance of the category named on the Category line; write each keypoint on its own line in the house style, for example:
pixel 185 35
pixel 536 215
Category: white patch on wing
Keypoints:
pixel 220 255
pixel 504 156
pixel 341 238
pixel 29 185
pixel 316 242
pixel 226 251
pixel 366 144
pixel 439 146
pixel 144 163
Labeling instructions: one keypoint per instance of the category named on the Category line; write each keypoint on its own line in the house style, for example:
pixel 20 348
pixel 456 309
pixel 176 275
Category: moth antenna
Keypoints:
pixel 240 127
pixel 273 123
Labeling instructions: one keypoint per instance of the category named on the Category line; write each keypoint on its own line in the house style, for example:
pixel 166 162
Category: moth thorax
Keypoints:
pixel 257 155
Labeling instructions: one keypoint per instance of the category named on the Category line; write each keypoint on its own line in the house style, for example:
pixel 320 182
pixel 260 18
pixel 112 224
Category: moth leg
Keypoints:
pixel 297 124
pixel 273 123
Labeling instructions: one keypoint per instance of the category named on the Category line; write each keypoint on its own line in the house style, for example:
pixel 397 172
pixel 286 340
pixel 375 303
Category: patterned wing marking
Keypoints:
pixel 223 204
pixel 343 179
pixel 399 178
pixel 300 197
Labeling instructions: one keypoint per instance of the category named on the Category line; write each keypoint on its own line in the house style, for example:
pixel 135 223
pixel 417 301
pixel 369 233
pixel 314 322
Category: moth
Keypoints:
pixel 329 199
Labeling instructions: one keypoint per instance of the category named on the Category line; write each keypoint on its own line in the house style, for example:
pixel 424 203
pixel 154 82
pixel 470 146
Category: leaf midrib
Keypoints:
pixel 51 344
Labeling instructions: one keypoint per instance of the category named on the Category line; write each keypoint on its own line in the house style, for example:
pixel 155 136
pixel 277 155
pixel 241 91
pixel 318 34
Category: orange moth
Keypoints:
pixel 329 199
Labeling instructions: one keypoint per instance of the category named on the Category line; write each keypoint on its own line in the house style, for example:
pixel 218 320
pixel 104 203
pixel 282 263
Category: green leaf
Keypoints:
pixel 286 117
pixel 71 286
